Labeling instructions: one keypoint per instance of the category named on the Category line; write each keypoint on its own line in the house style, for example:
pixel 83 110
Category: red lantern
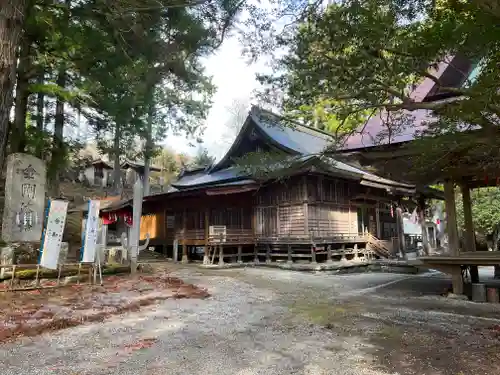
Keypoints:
pixel 128 219
pixel 109 218
pixel 438 221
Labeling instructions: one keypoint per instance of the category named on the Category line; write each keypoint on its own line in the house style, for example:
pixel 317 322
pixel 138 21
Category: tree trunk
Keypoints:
pixel 12 17
pixel 18 135
pixel 149 148
pixel 40 104
pixel 117 181
pixel 57 158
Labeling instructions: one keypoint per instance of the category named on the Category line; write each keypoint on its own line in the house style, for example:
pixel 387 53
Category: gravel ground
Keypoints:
pixel 265 321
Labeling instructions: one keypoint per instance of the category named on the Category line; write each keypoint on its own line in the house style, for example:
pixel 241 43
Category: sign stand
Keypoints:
pixel 89 250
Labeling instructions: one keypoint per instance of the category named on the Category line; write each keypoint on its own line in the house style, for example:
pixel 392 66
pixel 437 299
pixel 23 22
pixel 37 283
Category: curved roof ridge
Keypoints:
pixel 300 127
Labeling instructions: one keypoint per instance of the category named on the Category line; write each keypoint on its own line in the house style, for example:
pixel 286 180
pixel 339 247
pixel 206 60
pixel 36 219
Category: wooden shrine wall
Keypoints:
pixel 188 219
pixel 313 204
pixel 279 209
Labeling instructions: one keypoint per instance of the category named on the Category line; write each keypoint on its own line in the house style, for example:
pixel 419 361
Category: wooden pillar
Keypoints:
pixel 451 227
pixel 349 218
pixel 255 254
pixel 305 197
pixel 290 260
pixel 423 226
pixel 451 218
pixel 313 254
pixel 184 246
pixel 377 218
pixel 278 224
pixel 268 254
pixel 240 248
pixel 221 255
pixel 470 238
pixel 400 229
pixel 184 253
pixel 206 257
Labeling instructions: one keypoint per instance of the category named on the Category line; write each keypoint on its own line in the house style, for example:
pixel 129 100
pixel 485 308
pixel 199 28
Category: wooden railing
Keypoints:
pixel 378 246
pixel 234 236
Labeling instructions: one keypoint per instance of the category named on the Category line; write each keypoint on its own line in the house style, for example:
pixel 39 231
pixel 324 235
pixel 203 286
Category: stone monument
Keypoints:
pixel 24 199
pixel 24 206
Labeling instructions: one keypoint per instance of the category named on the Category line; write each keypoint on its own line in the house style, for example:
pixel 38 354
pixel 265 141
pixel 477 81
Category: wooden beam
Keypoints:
pixel 206 257
pixel 451 218
pixel 305 198
pixel 423 226
pixel 451 226
pixel 469 226
pixel 470 238
pixel 184 246
pixel 400 232
pixel 377 218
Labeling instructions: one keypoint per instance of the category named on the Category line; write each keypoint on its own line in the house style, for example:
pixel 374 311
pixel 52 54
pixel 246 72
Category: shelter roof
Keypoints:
pixel 102 163
pixel 450 73
pixel 467 156
pixel 138 165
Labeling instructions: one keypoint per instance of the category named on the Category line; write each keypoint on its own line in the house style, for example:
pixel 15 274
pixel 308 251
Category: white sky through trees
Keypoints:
pixel 234 79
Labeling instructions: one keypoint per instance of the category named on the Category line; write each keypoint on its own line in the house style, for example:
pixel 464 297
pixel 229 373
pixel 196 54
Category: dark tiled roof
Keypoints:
pixel 295 137
pixel 138 165
pixel 208 178
pixel 105 164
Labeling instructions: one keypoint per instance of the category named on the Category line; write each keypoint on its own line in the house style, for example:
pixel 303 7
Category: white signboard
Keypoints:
pixel 89 244
pixel 53 233
pixel 217 233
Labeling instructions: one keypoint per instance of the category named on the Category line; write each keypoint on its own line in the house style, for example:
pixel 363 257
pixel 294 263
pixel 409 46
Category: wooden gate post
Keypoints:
pixel 290 260
pixel 221 255
pixel 239 254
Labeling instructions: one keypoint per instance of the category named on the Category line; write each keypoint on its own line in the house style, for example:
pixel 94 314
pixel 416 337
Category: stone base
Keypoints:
pixel 114 255
pixel 334 267
pixel 479 292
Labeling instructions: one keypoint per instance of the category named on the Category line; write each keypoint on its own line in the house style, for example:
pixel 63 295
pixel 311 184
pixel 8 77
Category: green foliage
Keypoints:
pixel 169 162
pixel 202 159
pixel 267 165
pixel 38 140
pixel 132 68
pixel 485 210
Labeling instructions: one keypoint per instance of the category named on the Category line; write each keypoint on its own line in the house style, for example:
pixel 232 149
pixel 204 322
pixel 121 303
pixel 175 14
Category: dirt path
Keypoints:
pixel 260 321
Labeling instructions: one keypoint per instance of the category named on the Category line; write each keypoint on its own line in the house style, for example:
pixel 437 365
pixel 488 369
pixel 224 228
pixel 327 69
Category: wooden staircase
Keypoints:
pixel 379 247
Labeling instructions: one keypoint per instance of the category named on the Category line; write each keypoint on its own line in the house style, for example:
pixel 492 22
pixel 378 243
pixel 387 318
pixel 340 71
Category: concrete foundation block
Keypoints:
pixel 492 295
pixel 479 292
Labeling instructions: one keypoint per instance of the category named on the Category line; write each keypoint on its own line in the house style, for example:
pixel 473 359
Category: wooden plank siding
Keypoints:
pixel 300 208
pixel 192 217
pixel 306 206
